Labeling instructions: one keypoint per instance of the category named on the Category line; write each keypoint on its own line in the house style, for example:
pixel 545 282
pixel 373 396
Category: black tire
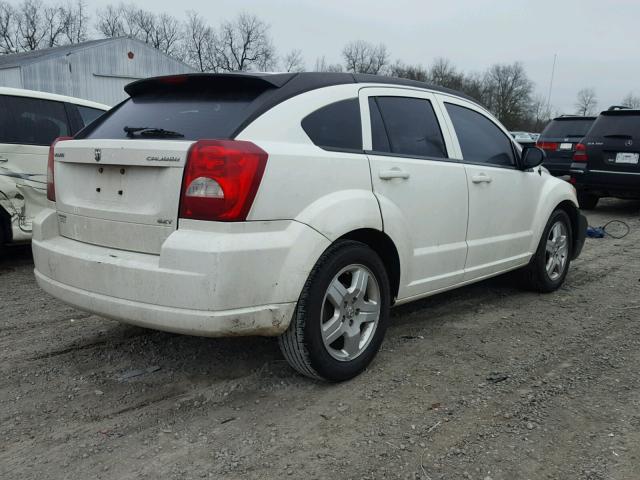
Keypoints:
pixel 302 344
pixel 535 275
pixel 587 201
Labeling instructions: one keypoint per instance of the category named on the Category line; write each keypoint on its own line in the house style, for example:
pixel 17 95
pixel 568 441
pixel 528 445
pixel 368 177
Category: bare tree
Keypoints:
pixel 586 102
pixel 364 57
pixel 167 34
pixel 110 22
pixel 9 36
pixel 75 21
pixel 243 44
pixel 323 66
pixel 507 93
pixel 293 61
pixel 443 73
pixel 32 27
pixel 197 43
pixel 631 101
pixel 412 72
pixel 540 113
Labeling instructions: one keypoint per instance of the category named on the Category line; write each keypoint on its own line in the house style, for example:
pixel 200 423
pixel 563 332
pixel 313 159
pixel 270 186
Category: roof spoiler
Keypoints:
pixel 218 81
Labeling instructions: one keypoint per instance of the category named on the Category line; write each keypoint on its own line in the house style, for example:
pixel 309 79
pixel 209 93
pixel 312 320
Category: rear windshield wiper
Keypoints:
pixel 574 135
pixel 150 132
pixel 619 135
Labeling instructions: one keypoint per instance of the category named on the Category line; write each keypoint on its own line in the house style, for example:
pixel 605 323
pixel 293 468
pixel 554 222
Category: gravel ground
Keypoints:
pixel 486 382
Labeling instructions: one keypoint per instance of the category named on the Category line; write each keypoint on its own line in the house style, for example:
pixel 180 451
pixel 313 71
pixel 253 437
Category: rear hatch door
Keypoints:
pixel 613 144
pixel 118 183
pixel 560 137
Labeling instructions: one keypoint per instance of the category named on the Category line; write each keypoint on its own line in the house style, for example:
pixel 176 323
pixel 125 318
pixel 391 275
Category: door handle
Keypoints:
pixel 482 178
pixel 392 173
pixel 4 159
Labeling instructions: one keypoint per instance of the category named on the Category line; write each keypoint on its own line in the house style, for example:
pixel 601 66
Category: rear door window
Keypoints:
pixel 480 139
pixel 411 127
pixel 336 126
pixel 34 121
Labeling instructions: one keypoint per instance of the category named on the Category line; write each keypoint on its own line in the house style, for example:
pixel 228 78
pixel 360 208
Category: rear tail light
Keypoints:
pixel 221 179
pixel 51 185
pixel 550 146
pixel 580 154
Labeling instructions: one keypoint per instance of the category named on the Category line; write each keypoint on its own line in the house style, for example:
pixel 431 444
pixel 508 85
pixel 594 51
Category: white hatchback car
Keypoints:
pixel 29 122
pixel 295 205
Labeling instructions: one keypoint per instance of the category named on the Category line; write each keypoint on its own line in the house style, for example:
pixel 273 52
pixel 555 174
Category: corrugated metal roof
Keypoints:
pixel 19 59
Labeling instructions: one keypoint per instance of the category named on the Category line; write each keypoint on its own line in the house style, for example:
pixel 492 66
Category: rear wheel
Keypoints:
pixel 341 316
pixel 587 201
pixel 549 266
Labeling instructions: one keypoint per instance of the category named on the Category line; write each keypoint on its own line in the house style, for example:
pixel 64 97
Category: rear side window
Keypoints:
pixel 480 139
pixel 336 126
pixel 570 128
pixel 32 121
pixel 610 124
pixel 197 115
pixel 88 114
pixel 411 126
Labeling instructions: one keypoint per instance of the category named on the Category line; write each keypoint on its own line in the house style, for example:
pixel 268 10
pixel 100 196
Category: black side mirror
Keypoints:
pixel 531 157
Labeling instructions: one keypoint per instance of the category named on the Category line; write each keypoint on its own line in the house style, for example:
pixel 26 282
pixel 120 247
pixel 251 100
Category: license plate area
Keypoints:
pixel 566 146
pixel 110 183
pixel 626 158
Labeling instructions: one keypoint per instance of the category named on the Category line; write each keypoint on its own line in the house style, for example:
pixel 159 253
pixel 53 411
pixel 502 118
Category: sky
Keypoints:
pixel 596 41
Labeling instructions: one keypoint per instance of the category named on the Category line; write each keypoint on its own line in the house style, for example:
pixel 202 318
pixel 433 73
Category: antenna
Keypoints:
pixel 553 71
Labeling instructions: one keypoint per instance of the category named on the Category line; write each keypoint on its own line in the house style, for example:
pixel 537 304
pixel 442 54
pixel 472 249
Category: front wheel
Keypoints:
pixel 341 316
pixel 549 266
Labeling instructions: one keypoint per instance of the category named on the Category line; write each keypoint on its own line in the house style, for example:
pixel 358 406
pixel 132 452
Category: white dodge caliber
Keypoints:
pixel 301 206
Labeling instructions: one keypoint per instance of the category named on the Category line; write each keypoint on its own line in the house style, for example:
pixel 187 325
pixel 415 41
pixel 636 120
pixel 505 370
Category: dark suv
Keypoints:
pixel 606 162
pixel 559 140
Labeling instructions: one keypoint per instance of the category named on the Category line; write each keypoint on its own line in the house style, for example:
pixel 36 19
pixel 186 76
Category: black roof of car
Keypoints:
pixel 288 84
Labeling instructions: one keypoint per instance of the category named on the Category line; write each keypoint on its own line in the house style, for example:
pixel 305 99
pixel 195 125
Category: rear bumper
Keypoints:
pixel 605 183
pixel 209 279
pixel 264 320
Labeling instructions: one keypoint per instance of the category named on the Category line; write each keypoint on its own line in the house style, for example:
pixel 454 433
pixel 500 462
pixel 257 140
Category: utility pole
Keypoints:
pixel 553 71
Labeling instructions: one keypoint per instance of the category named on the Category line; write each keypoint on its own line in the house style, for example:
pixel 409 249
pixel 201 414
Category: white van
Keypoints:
pixel 29 122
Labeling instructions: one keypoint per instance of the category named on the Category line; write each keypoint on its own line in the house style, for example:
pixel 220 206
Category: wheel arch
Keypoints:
pixel 384 247
pixel 574 215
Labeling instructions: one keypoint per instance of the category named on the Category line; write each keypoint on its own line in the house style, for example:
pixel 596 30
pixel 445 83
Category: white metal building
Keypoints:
pixel 96 70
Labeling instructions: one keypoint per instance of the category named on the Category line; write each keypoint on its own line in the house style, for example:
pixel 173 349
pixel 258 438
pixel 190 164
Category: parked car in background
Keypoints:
pixel 29 122
pixel 523 138
pixel 606 162
pixel 559 140
pixel 295 205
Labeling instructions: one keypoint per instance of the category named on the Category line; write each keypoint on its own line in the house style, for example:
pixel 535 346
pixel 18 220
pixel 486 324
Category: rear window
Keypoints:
pixel 32 121
pixel 616 124
pixel 336 126
pixel 194 115
pixel 574 128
